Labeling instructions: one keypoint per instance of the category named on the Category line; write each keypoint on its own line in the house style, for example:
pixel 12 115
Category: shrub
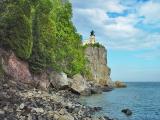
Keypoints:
pixel 15 29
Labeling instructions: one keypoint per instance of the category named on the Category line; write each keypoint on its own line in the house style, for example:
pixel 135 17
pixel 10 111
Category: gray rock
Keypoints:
pixel 119 84
pixel 127 112
pixel 80 85
pixel 22 106
pixel 59 80
pixel 96 90
pixel 107 88
pixel 38 110
pixel 2 112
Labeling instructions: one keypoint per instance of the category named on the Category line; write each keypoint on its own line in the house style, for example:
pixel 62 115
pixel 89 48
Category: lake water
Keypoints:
pixel 142 98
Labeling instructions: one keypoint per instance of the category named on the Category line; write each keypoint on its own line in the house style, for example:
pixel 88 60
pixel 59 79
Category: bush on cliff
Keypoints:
pixel 15 28
pixel 42 32
pixel 98 45
pixel 69 52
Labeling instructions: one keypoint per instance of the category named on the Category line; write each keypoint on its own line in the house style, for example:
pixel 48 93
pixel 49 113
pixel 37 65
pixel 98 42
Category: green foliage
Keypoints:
pixel 15 28
pixel 69 52
pixel 98 45
pixel 42 32
pixel 44 37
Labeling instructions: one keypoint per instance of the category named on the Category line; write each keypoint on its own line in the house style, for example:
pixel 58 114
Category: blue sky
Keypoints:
pixel 129 29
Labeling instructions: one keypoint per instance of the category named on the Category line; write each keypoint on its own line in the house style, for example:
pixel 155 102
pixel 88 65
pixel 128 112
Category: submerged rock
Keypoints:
pixel 97 108
pixel 127 112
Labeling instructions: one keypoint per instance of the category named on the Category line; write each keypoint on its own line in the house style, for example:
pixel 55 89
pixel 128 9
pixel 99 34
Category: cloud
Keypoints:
pixel 122 31
pixel 150 11
pixel 108 5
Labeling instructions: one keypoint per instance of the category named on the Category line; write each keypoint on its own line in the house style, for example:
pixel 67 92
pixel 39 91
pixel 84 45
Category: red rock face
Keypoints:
pixel 18 71
pixel 16 68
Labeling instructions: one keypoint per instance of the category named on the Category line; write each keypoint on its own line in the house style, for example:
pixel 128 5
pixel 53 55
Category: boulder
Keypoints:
pixel 107 88
pixel 59 80
pixel 2 112
pixel 14 68
pixel 127 112
pixel 95 88
pixel 38 110
pixel 41 80
pixel 119 84
pixel 79 84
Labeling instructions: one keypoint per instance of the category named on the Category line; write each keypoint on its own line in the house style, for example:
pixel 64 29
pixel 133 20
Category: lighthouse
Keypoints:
pixel 91 40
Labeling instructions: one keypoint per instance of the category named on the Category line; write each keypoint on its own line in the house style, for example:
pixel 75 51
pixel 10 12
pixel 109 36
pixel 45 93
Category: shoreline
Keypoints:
pixel 20 103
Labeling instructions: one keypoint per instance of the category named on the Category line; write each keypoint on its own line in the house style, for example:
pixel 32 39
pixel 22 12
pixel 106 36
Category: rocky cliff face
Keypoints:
pixel 22 94
pixel 13 67
pixel 97 63
pixel 15 71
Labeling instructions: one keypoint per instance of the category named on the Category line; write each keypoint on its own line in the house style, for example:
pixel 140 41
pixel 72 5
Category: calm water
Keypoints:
pixel 142 98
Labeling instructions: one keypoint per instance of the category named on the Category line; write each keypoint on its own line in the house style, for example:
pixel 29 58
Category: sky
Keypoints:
pixel 130 31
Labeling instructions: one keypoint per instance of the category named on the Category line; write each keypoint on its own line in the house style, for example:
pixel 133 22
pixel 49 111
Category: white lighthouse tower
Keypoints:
pixel 91 40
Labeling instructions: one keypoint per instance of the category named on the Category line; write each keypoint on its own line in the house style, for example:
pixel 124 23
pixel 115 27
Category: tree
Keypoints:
pixel 69 52
pixel 42 32
pixel 15 28
pixel 43 37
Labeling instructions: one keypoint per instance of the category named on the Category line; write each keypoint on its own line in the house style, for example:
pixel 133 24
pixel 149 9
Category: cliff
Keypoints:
pixel 22 97
pixel 97 63
pixel 15 70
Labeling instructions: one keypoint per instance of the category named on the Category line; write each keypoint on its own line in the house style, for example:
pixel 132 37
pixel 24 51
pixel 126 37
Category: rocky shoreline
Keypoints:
pixel 21 103
pixel 46 96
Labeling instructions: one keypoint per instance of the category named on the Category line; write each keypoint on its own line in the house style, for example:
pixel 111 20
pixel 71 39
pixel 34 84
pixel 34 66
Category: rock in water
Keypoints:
pixel 127 111
pixel 107 88
pixel 97 108
pixel 119 84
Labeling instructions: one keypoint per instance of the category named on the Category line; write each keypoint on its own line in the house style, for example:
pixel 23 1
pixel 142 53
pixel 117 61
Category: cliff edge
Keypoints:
pixel 97 63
